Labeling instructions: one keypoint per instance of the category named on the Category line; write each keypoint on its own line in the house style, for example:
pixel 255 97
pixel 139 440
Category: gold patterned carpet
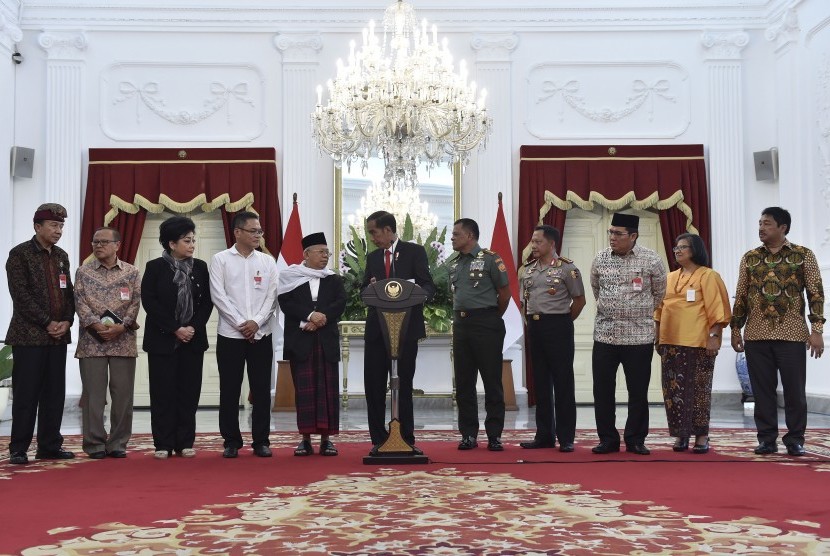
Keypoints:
pixel 478 503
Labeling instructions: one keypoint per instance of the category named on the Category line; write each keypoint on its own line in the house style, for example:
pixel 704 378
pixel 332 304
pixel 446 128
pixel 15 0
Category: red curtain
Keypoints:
pixel 668 178
pixel 124 184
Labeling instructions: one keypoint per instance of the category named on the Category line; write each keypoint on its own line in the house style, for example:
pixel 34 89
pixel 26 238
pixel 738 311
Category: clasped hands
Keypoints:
pixel 57 329
pixel 316 321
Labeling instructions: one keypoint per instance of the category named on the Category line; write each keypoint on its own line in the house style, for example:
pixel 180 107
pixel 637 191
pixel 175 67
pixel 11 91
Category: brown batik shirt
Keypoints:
pixel 769 299
pixel 34 275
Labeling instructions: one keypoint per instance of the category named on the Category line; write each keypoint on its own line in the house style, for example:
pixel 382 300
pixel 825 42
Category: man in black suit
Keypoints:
pixel 408 261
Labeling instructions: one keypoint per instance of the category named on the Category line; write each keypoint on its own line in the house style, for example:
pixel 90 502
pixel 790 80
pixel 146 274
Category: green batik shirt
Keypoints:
pixel 769 299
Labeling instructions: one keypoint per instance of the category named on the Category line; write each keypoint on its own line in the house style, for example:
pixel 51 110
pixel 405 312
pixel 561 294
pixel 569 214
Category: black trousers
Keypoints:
pixel 765 359
pixel 552 352
pixel 376 370
pixel 175 387
pixel 636 362
pixel 232 356
pixel 39 389
pixel 477 342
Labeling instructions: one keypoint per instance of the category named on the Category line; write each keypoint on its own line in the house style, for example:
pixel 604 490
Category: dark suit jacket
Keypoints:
pixel 408 261
pixel 158 296
pixel 297 305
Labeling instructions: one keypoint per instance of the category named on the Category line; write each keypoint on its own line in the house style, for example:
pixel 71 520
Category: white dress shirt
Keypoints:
pixel 243 288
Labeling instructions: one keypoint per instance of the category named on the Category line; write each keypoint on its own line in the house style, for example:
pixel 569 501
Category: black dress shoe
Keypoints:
pixel 638 449
pixel 681 444
pixel 304 448
pixel 18 458
pixel 60 453
pixel 605 448
pixel 327 448
pixel 536 444
pixel 701 448
pixel 566 446
pixel 262 451
pixel 795 449
pixel 98 455
pixel 494 444
pixel 117 454
pixel 765 448
pixel 467 443
pixel 230 452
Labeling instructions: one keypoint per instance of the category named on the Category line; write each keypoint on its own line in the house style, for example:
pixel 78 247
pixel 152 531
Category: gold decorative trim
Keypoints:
pixel 618 158
pixel 572 199
pixel 394 323
pixel 114 162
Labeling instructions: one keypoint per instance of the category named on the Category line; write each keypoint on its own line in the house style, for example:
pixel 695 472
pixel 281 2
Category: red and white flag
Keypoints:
pixel 501 245
pixel 291 251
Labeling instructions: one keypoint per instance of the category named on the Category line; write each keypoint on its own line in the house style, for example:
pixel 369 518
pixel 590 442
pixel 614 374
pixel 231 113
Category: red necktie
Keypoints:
pixel 387 261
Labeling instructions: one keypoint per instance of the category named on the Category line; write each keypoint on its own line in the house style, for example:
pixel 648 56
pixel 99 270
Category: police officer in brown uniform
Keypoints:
pixel 553 297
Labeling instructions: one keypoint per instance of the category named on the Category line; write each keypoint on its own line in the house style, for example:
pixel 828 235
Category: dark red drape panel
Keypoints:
pixel 668 178
pixel 125 183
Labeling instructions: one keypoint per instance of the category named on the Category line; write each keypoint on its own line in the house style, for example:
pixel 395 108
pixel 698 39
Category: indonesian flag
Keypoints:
pixel 513 315
pixel 291 251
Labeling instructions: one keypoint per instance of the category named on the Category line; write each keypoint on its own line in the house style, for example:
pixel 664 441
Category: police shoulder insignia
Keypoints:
pixel 565 260
pixel 530 262
pixel 489 252
pixel 574 274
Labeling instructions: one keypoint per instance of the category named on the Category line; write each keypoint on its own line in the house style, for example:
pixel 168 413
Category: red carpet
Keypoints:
pixel 477 502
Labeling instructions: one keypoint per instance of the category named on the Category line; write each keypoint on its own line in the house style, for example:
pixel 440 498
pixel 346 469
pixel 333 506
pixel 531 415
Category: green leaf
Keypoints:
pixel 408 229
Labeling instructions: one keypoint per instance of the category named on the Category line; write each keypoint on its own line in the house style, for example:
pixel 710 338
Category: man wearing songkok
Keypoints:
pixel 107 298
pixel 313 298
pixel 43 308
pixel 629 282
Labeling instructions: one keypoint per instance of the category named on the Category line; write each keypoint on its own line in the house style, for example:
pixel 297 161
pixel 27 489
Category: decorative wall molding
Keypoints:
pixel 594 99
pixel 785 31
pixel 823 133
pixel 724 45
pixel 68 45
pixel 298 47
pixel 161 101
pixel 494 47
pixel 10 33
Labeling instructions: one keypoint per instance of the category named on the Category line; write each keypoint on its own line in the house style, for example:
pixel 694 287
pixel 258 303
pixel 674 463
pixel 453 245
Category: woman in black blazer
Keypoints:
pixel 175 292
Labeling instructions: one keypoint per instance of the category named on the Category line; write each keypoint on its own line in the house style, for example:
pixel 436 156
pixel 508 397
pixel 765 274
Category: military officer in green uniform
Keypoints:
pixel 479 282
pixel 553 296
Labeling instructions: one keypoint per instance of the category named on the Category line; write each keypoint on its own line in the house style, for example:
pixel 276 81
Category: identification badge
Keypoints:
pixel 62 281
pixel 125 294
pixel 637 284
pixel 690 295
pixel 257 280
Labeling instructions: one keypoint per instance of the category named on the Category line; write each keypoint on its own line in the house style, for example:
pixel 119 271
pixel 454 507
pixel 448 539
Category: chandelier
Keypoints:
pixel 400 202
pixel 399 98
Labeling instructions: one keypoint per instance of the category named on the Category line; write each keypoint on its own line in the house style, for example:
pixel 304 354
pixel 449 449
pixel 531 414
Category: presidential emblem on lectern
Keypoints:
pixel 393 289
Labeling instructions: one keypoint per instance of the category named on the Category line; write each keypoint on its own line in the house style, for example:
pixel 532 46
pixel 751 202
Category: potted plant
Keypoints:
pixel 6 364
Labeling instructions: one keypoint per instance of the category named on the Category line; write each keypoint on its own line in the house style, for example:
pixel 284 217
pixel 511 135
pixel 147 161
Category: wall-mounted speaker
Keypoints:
pixel 23 160
pixel 766 165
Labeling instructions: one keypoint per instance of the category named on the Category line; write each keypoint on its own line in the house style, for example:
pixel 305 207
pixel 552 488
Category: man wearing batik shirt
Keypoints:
pixel 629 282
pixel 769 301
pixel 43 309
pixel 107 298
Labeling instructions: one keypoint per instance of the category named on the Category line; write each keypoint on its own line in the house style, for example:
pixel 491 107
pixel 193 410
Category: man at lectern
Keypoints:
pixel 408 261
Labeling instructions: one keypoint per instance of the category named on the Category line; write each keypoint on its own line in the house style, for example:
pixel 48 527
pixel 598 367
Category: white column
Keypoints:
pixel 479 200
pixel 301 160
pixel 64 154
pixel 726 150
pixel 793 158
pixel 10 34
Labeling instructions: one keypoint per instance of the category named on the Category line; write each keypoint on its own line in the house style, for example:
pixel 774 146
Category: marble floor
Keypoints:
pixel 438 414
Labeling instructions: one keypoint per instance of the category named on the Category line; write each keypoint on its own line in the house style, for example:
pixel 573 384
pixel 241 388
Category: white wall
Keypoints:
pixel 280 52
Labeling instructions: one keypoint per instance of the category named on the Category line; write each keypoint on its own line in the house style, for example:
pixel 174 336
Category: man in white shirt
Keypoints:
pixel 243 286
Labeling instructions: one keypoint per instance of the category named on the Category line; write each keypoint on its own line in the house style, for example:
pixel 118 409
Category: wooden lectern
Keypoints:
pixel 393 299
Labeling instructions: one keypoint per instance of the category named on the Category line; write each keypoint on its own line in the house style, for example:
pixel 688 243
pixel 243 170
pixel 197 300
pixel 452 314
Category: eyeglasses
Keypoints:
pixel 103 242
pixel 325 252
pixel 680 248
pixel 616 233
pixel 254 232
